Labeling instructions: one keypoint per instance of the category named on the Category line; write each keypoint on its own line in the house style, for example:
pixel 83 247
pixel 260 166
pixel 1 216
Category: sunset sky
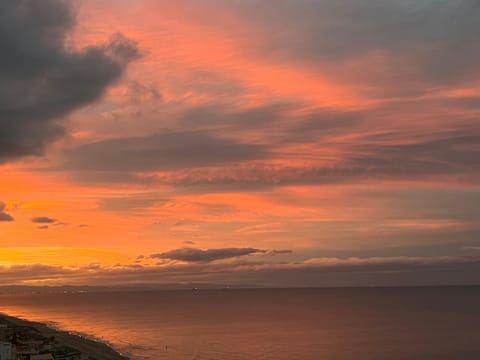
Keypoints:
pixel 239 142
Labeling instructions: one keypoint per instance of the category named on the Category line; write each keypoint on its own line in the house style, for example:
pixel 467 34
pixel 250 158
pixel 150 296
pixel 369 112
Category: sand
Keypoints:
pixel 87 347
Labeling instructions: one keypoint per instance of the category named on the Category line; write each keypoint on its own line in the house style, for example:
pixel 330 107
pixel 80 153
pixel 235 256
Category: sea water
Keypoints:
pixel 271 324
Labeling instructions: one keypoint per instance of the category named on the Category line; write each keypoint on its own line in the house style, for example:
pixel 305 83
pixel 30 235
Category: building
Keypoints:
pixel 7 351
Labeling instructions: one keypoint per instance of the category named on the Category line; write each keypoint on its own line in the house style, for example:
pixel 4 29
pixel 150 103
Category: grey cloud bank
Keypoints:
pixel 390 271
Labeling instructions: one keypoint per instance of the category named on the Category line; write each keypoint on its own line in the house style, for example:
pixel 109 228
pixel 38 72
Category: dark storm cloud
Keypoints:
pixel 41 80
pixel 199 255
pixel 43 220
pixel 161 152
pixel 4 216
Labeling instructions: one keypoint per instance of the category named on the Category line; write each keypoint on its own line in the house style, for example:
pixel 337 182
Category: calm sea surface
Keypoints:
pixel 306 324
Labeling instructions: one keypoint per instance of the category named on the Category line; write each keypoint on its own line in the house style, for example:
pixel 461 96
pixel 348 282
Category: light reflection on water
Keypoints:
pixel 308 324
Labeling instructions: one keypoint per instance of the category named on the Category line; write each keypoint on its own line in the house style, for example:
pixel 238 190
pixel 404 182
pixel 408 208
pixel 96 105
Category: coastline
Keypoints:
pixel 90 349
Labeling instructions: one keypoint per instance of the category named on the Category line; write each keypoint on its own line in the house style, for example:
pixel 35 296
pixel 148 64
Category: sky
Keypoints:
pixel 240 143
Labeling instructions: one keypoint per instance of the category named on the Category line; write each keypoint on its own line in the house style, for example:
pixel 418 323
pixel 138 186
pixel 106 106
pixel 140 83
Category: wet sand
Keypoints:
pixel 89 348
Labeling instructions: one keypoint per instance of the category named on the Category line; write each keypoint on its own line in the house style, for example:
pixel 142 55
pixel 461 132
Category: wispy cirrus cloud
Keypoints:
pixel 342 146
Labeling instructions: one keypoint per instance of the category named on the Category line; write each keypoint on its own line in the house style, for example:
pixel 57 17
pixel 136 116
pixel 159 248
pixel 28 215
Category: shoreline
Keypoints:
pixel 90 349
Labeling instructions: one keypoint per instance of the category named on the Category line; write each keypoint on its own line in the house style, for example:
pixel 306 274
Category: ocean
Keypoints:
pixel 430 323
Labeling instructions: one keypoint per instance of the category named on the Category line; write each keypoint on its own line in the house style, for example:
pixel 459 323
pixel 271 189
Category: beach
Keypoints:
pixel 86 348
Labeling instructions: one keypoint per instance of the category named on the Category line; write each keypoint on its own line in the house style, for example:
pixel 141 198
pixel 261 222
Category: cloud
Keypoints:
pixel 430 203
pixel 391 156
pixel 41 79
pixel 43 220
pixel 443 153
pixel 418 42
pixel 349 271
pixel 294 145
pixel 221 115
pixel 474 248
pixel 4 216
pixel 385 262
pixel 198 255
pixel 131 202
pixel 16 274
pixel 279 252
pixel 138 93
pixel 160 152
